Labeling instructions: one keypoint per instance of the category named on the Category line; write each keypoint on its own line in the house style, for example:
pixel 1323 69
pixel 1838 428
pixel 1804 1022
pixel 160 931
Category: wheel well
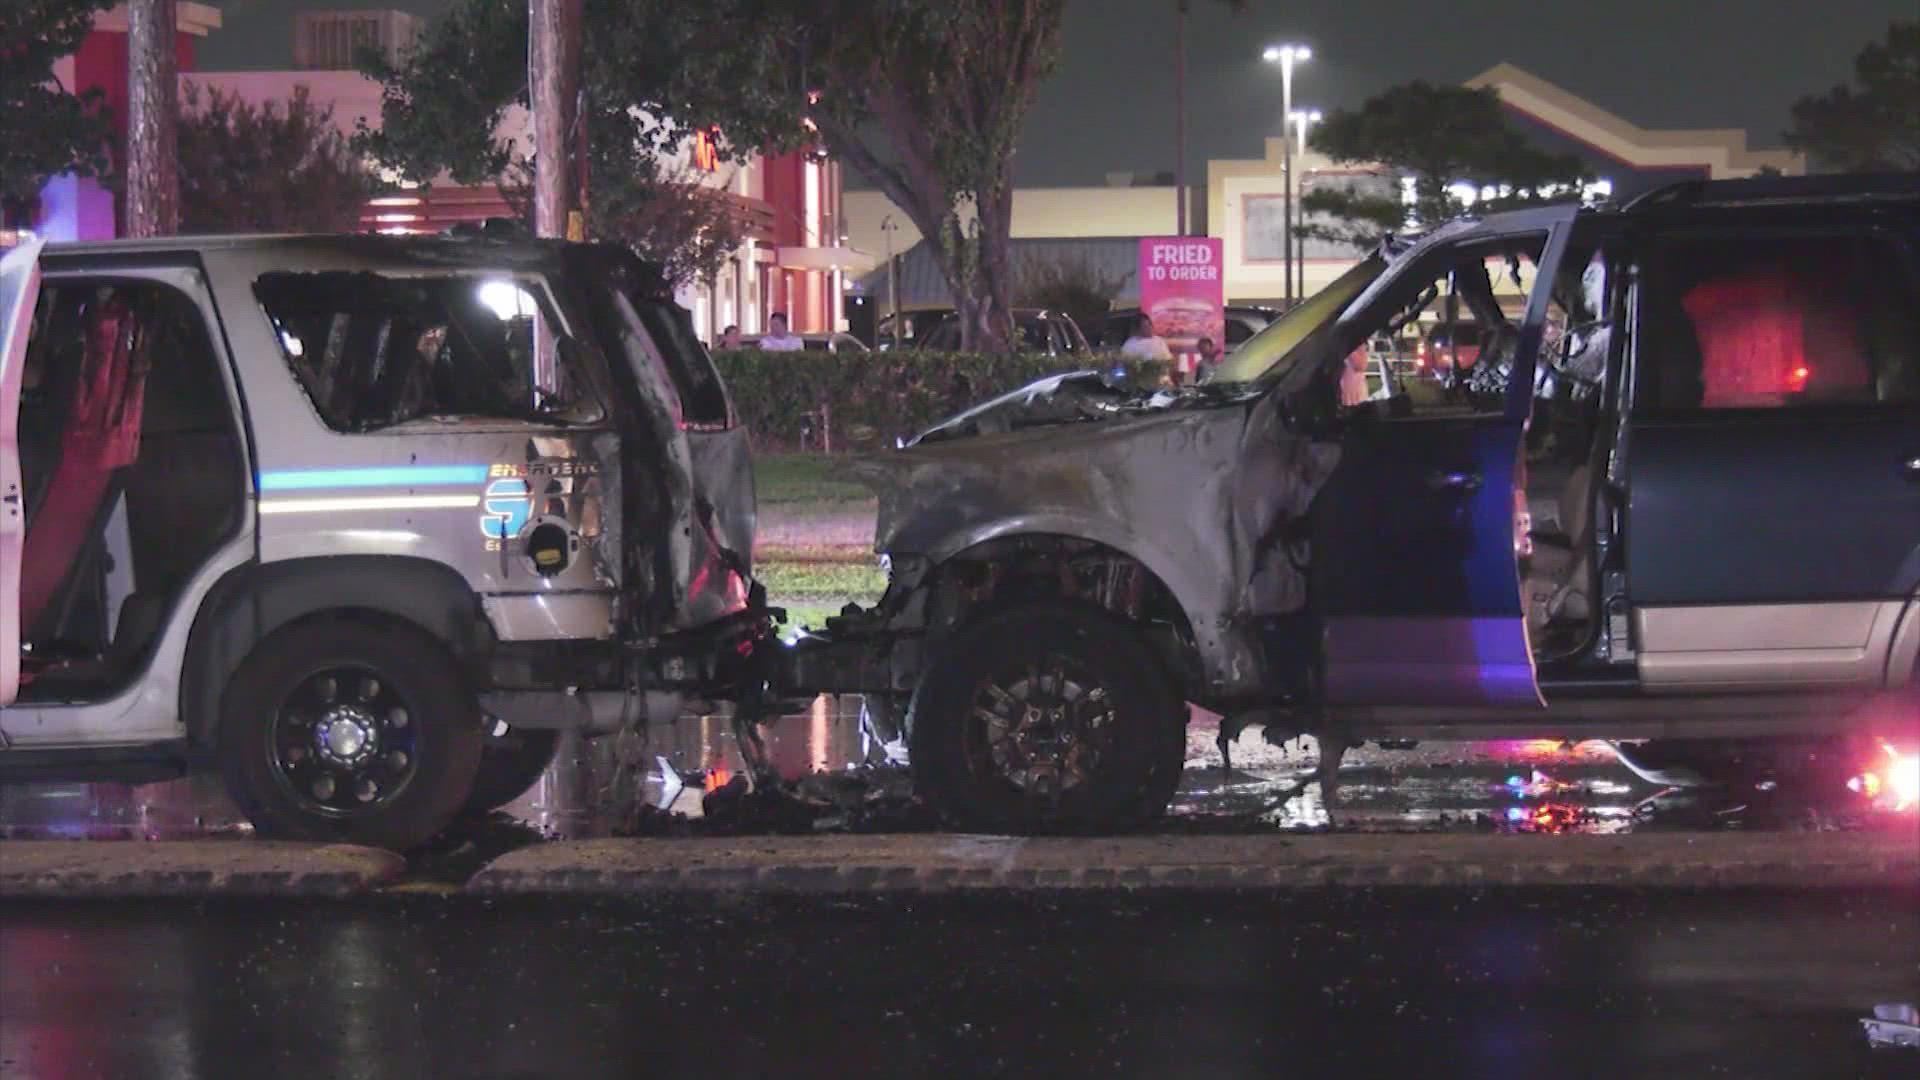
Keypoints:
pixel 257 600
pixel 1019 569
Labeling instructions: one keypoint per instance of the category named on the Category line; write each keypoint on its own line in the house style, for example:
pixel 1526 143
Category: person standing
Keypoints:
pixel 1144 344
pixel 1353 378
pixel 777 339
pixel 1207 358
pixel 729 338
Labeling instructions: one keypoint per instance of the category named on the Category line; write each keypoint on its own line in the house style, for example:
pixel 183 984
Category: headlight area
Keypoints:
pixel 1890 778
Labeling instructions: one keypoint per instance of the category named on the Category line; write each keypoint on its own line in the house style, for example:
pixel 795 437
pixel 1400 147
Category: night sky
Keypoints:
pixel 1724 63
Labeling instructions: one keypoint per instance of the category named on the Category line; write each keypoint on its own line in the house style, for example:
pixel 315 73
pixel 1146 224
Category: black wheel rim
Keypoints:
pixel 1043 728
pixel 345 742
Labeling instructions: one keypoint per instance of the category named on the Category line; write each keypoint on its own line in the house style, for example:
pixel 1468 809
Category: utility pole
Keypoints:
pixel 553 81
pixel 153 111
pixel 1180 117
pixel 887 228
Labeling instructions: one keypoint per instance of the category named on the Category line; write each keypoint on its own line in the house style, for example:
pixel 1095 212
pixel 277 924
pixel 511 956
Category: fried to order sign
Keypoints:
pixel 1183 289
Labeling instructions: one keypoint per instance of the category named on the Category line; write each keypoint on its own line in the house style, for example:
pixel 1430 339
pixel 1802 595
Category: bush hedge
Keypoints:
pixel 869 399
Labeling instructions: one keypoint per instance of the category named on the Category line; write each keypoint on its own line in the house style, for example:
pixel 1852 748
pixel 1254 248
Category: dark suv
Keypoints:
pixel 1678 499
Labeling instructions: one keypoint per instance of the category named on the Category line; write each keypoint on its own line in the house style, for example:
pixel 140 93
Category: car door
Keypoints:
pixel 1773 459
pixel 1417 535
pixel 19 289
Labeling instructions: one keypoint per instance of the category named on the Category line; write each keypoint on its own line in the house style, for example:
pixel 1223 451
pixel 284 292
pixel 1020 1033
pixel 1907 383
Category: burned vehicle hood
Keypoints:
pixel 1057 399
pixel 1197 494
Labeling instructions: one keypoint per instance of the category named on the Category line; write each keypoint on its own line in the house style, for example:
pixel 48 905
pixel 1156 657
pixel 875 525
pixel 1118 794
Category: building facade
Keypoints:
pixel 1244 202
pixel 794 259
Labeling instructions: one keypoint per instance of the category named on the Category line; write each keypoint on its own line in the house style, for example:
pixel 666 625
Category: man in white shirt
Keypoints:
pixel 776 339
pixel 1144 344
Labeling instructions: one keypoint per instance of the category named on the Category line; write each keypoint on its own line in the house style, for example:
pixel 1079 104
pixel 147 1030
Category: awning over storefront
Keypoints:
pixel 850 260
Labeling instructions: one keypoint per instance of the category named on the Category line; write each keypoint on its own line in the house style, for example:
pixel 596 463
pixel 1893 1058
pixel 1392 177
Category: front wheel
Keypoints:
pixel 350 731
pixel 1047 718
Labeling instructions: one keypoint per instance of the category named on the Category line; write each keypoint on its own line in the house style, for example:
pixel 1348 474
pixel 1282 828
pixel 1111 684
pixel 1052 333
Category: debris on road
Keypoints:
pixel 1893 1026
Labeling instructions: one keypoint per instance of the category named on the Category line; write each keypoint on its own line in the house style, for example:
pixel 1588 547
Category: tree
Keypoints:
pixel 277 167
pixel 1070 283
pixel 927 98
pixel 924 97
pixel 1875 127
pixel 153 116
pixel 1440 137
pixel 45 129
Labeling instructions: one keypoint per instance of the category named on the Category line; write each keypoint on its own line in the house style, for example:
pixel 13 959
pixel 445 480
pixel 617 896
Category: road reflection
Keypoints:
pixel 1520 786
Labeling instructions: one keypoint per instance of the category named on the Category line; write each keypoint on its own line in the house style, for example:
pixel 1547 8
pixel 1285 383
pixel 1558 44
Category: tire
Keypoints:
pixel 311 724
pixel 509 767
pixel 1049 762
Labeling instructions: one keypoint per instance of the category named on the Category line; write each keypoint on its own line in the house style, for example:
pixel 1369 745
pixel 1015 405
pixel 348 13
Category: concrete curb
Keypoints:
pixel 230 867
pixel 931 864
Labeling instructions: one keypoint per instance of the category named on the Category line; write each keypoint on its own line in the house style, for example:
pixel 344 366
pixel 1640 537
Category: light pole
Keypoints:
pixel 1286 56
pixel 887 228
pixel 1303 121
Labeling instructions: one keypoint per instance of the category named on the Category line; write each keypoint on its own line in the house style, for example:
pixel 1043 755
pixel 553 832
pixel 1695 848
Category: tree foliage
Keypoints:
pixel 1440 137
pixel 45 129
pixel 665 214
pixel 926 98
pixel 1874 125
pixel 1074 284
pixel 276 167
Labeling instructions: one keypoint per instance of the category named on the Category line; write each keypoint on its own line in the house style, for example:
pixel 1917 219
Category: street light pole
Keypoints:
pixel 887 227
pixel 1180 118
pixel 1303 122
pixel 1286 56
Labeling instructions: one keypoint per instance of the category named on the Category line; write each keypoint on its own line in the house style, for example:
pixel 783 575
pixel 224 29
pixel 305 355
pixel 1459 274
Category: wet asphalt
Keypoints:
pixel 1517 786
pixel 1399 983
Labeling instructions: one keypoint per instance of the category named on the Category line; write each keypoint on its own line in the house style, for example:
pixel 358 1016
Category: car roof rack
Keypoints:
pixel 1872 187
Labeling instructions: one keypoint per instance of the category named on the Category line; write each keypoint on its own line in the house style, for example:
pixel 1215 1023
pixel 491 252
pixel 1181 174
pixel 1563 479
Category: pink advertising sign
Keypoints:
pixel 1183 289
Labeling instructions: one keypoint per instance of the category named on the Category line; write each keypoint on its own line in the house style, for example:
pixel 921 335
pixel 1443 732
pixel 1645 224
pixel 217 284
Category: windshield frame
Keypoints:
pixel 1308 319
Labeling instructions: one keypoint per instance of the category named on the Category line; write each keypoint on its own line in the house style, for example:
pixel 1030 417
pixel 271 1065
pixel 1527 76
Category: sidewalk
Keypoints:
pixel 936 863
pixel 234 866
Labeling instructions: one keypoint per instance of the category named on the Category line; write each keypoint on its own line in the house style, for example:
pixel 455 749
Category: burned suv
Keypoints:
pixel 1675 503
pixel 360 520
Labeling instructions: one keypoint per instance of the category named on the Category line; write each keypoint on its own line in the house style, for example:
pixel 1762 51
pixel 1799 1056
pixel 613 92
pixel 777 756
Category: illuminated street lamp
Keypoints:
pixel 1302 121
pixel 1287 55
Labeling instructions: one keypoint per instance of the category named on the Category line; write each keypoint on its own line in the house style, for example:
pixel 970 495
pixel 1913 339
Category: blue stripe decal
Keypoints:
pixel 403 476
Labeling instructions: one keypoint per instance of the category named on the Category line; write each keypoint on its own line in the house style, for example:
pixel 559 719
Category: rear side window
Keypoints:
pixel 703 397
pixel 373 351
pixel 1774 322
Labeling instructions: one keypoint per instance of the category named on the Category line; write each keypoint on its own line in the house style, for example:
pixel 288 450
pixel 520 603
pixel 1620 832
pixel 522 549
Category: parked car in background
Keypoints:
pixel 913 328
pixel 817 343
pixel 1051 332
pixel 1242 322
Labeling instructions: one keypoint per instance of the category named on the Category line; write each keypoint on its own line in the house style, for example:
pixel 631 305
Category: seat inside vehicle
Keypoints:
pixel 133 473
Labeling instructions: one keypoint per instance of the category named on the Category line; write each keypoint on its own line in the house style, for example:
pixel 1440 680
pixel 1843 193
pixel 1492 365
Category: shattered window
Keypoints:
pixel 373 350
pixel 703 397
pixel 1778 322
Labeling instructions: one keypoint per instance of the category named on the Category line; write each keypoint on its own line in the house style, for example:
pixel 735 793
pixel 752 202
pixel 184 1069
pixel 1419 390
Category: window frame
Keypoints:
pixel 1636 389
pixel 589 379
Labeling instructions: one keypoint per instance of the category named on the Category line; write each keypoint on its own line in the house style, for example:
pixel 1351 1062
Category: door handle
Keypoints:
pixel 1454 481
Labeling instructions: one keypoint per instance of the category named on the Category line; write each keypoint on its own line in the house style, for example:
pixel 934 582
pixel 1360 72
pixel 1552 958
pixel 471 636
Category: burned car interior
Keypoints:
pixel 132 475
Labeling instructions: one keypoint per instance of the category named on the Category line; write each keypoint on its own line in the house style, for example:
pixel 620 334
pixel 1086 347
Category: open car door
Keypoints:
pixel 1418 535
pixel 19 289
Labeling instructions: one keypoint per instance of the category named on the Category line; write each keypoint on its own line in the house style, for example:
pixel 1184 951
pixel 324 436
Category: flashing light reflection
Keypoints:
pixel 1903 776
